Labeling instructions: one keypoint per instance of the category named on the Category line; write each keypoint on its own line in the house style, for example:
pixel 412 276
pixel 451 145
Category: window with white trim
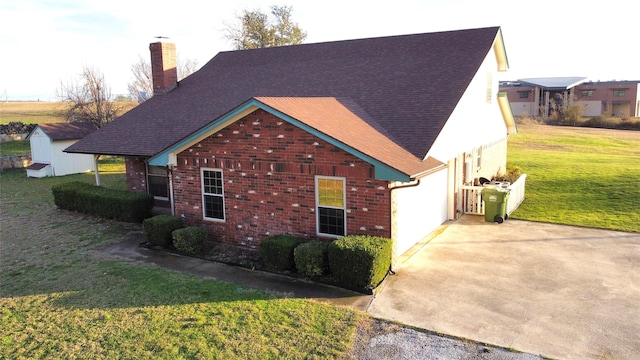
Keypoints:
pixel 212 194
pixel 157 180
pixel 330 206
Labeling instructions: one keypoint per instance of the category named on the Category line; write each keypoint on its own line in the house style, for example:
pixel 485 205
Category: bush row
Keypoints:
pixel 99 201
pixel 356 261
pixel 168 231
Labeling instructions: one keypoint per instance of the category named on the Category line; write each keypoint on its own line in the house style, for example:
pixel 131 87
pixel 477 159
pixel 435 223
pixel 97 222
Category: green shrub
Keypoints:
pixel 189 240
pixel 311 258
pixel 104 202
pixel 601 122
pixel 511 175
pixel 158 229
pixel 360 261
pixel 277 251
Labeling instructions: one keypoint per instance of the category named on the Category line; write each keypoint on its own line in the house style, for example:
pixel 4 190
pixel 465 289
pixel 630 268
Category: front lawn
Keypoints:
pixel 579 176
pixel 59 298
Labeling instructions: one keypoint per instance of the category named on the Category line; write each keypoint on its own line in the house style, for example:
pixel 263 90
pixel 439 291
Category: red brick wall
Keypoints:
pixel 136 174
pixel 268 171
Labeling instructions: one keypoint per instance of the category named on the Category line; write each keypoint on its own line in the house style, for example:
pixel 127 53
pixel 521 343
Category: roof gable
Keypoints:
pixel 408 85
pixel 65 131
pixel 326 118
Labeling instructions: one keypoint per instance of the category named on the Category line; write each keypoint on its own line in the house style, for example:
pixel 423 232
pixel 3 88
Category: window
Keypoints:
pixel 618 92
pixel 212 194
pixel 157 180
pixel 330 206
pixel 587 93
pixel 479 158
pixel 523 94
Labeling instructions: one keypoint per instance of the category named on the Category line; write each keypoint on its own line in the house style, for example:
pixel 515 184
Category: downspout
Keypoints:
pixel 171 201
pixel 394 246
pixel 95 165
pixel 412 183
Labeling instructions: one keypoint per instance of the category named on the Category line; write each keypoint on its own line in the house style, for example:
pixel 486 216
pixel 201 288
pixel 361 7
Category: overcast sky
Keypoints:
pixel 45 42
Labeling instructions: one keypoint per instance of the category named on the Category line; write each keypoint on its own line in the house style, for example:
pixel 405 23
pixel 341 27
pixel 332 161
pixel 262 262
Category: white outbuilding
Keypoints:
pixel 47 144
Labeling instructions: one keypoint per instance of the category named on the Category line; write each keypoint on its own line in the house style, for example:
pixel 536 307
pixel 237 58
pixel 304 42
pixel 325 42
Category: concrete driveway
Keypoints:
pixel 558 291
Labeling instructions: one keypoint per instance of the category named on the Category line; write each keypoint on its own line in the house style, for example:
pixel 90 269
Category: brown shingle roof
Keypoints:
pixel 408 85
pixel 66 131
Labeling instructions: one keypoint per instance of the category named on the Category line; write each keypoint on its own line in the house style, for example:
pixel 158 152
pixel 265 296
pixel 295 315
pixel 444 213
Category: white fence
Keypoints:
pixel 516 195
pixel 472 197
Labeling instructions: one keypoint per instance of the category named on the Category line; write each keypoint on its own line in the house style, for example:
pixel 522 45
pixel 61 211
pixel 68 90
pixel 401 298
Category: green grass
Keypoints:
pixel 585 177
pixel 60 298
pixel 10 148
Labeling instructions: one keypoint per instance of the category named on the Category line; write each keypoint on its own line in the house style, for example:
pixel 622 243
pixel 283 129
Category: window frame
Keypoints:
pixel 619 93
pixel 158 176
pixel 343 208
pixel 523 94
pixel 205 194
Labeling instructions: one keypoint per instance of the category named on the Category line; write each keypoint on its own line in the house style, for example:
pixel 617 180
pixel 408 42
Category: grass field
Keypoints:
pixel 579 176
pixel 37 112
pixel 59 298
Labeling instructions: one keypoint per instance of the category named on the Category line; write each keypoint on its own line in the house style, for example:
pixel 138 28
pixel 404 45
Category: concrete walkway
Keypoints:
pixel 560 291
pixel 291 287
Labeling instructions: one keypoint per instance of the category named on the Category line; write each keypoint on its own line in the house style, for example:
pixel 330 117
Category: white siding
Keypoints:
pixel 418 210
pixel 474 122
pixel 40 147
pixel 64 163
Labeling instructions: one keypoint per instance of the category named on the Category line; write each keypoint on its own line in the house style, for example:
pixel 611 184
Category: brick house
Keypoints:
pixel 541 96
pixel 372 136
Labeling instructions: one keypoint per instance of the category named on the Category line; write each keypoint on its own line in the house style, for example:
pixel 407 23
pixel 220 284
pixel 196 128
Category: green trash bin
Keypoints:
pixel 495 204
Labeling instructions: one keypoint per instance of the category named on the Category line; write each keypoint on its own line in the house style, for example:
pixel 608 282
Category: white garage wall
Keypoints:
pixel 418 210
pixel 474 122
pixel 64 163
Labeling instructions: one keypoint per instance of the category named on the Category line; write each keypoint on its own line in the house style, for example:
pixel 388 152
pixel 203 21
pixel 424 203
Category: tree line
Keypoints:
pixel 90 98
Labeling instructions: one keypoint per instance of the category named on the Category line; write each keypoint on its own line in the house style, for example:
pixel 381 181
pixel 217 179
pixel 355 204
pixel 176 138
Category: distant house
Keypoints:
pixel 540 96
pixel 47 144
pixel 373 136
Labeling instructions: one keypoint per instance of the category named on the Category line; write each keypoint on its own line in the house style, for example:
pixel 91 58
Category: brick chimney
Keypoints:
pixel 163 67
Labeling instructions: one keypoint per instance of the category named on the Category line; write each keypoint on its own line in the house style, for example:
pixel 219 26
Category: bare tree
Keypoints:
pixel 89 99
pixel 255 29
pixel 141 88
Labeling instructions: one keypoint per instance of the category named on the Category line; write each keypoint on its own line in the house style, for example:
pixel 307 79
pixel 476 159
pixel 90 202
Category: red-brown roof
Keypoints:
pixel 407 85
pixel 66 131
pixel 337 118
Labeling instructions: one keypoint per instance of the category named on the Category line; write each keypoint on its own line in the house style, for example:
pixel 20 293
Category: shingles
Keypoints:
pixel 67 131
pixel 408 85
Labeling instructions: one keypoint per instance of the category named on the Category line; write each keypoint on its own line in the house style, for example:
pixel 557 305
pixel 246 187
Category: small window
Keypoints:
pixel 479 158
pixel 212 194
pixel 330 206
pixel 587 93
pixel 523 94
pixel 158 181
pixel 618 92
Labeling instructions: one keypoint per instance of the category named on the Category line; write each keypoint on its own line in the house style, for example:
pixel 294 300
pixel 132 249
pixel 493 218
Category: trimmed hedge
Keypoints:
pixel 277 251
pixel 311 258
pixel 158 229
pixel 360 261
pixel 189 240
pixel 95 200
